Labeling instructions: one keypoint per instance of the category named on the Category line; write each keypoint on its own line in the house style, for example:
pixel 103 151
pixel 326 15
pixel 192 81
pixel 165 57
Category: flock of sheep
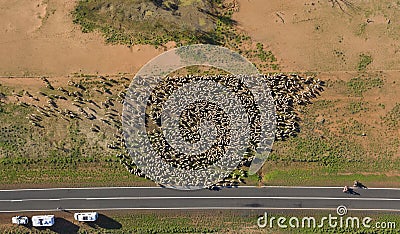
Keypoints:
pixel 76 106
pixel 288 92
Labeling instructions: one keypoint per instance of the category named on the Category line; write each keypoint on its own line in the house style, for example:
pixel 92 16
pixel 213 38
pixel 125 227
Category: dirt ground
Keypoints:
pixel 39 38
pixel 311 35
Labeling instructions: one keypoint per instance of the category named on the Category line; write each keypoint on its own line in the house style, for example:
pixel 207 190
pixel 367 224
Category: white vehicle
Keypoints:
pixel 20 220
pixel 43 221
pixel 86 217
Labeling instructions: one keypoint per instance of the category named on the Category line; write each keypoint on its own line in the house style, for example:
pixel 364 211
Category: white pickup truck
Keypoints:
pixel 20 220
pixel 43 220
pixel 86 217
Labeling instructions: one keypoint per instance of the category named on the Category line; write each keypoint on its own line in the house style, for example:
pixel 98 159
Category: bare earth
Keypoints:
pixel 304 34
pixel 39 38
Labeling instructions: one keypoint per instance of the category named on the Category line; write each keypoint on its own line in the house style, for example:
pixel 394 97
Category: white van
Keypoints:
pixel 43 220
pixel 20 220
pixel 86 217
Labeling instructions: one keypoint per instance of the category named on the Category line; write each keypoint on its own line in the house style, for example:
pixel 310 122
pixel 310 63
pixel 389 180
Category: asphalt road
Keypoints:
pixel 120 198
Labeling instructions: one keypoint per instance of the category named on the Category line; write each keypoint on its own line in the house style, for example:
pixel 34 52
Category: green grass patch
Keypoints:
pixel 306 174
pixel 152 22
pixel 393 117
pixel 364 61
pixel 361 29
pixel 358 85
pixel 263 55
pixel 356 107
pixel 328 151
pixel 65 171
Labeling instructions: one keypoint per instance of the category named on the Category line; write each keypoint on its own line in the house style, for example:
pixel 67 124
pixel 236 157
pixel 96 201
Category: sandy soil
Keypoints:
pixel 304 34
pixel 39 38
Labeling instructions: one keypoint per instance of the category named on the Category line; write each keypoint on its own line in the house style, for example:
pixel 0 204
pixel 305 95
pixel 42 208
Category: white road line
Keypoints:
pixel 86 188
pixel 157 187
pixel 311 187
pixel 171 198
pixel 198 208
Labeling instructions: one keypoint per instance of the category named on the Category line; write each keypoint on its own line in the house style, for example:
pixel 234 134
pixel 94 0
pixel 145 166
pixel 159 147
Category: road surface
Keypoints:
pixel 121 198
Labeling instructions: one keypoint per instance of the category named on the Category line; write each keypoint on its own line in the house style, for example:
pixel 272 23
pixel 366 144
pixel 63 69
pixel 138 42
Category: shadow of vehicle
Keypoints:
pixel 359 185
pixel 351 192
pixel 105 222
pixel 61 225
pixel 29 228
pixel 253 205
